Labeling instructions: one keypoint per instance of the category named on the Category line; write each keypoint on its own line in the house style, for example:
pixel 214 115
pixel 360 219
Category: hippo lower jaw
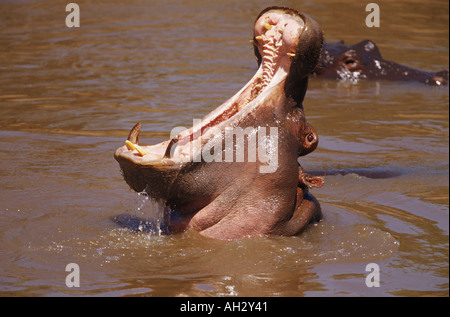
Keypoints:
pixel 211 197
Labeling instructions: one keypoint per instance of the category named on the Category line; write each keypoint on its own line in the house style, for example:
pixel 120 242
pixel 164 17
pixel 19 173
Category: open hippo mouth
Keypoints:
pixel 235 172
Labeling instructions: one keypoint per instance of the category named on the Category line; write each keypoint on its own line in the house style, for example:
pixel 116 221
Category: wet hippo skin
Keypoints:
pixel 258 193
pixel 363 61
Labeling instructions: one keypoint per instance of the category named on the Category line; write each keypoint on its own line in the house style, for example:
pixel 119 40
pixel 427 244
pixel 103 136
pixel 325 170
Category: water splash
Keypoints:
pixel 147 216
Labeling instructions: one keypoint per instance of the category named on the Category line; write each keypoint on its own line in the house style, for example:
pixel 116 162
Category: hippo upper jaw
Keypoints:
pixel 287 45
pixel 285 42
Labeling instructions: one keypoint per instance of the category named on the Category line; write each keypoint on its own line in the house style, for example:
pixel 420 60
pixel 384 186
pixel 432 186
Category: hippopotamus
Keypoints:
pixel 235 173
pixel 363 61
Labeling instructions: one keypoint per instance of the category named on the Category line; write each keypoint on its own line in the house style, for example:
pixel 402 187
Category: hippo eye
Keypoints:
pixel 349 61
pixel 310 137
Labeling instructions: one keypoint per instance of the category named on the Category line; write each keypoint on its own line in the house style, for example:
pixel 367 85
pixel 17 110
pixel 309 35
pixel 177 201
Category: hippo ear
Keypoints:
pixel 369 47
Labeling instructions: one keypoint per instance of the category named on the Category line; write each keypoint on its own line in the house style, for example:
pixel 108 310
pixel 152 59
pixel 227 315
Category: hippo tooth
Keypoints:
pixel 267 25
pixel 258 38
pixel 291 54
pixel 133 136
pixel 131 146
pixel 140 150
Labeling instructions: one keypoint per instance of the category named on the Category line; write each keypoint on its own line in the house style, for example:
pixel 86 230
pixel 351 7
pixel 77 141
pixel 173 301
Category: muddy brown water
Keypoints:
pixel 68 98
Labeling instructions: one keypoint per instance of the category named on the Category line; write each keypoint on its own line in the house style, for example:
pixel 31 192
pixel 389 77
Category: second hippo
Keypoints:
pixel 363 61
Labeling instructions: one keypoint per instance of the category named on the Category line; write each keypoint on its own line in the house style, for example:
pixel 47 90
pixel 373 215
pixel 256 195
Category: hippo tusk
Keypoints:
pixel 133 136
pixel 172 143
pixel 133 140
